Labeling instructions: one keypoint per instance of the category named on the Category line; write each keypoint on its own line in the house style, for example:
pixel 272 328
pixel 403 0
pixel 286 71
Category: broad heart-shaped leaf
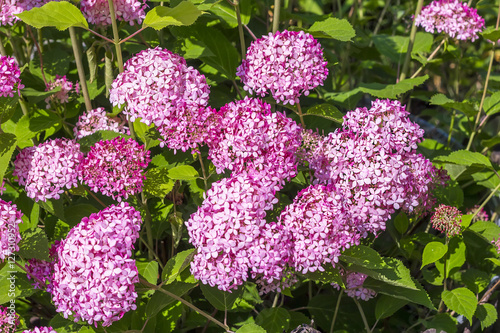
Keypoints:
pixel 491 34
pixel 488 230
pixel 8 144
pixel 466 107
pixel 221 300
pixel 333 28
pixel 148 269
pixel 160 300
pixel 158 183
pixel 442 322
pixel 461 300
pixel 185 13
pixel 183 172
pixel 492 104
pixel 251 328
pixel 34 244
pixel 395 47
pixel 433 251
pixel 466 158
pixel 392 90
pixel 227 12
pixel 61 15
pixel 176 265
pixel 327 111
pixel 386 306
pixel 487 315
pixel 475 279
pixel 401 222
pixel 274 320
pixel 455 257
pixel 8 106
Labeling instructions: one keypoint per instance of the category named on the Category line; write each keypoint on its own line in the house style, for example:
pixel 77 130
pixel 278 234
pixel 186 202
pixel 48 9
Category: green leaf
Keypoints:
pixel 461 300
pixel 75 213
pixel 487 315
pixel 8 106
pixel 333 28
pixel 495 261
pixel 487 229
pixel 466 158
pixel 392 90
pixel 491 142
pixel 466 107
pixel 23 132
pixel 492 104
pixel 185 13
pixel 401 222
pixel 61 325
pixel 386 306
pixel 227 12
pixel 160 300
pixel 433 251
pixel 176 265
pixel 221 300
pixel 274 320
pixel 329 275
pixel 91 59
pixel 491 34
pixel 61 15
pixel 475 279
pixel 442 322
pixel 8 144
pixel 169 317
pixel 455 257
pixel 327 111
pixel 149 270
pixel 158 183
pixel 466 221
pixel 396 47
pixel 34 244
pixel 183 172
pixel 251 328
pixel 108 71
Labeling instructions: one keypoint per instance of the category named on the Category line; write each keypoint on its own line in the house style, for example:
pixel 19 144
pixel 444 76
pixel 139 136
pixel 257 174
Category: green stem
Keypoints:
pixel 451 127
pixel 132 35
pixel 379 22
pixel 101 36
pixel 203 171
pixel 116 37
pixel 186 303
pixel 485 201
pixel 413 33
pixel 339 8
pixel 79 67
pixel 2 48
pixel 240 29
pixel 149 230
pixel 301 115
pixel 42 284
pixel 336 311
pixel 362 313
pixel 429 58
pixel 152 251
pixel 40 40
pixel 276 15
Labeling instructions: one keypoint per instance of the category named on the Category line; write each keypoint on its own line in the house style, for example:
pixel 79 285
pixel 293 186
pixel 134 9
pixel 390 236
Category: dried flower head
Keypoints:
pixel 287 64
pixel 10 77
pixel 97 11
pixel 97 120
pixel 447 219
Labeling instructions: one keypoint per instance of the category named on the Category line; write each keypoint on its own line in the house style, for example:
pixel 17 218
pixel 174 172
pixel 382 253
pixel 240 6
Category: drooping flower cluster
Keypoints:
pixel 42 270
pixel 44 329
pixel 8 9
pixel 97 120
pixel 10 218
pixel 158 87
pixel 62 96
pixel 9 320
pixel 447 219
pixel 49 168
pixel 94 275
pixel 115 167
pixel 287 64
pixel 97 11
pixel 482 215
pixel 453 17
pixel 250 137
pixel 354 285
pixel 10 81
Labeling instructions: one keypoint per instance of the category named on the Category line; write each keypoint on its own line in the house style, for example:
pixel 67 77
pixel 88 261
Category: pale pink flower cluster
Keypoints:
pixel 62 96
pixel 43 329
pixel 115 167
pixel 482 215
pixel 453 17
pixel 8 9
pixel 94 275
pixel 354 285
pixel 97 11
pixel 287 64
pixel 48 169
pixel 43 270
pixel 97 120
pixel 447 219
pixel 9 320
pixel 158 87
pixel 10 77
pixel 497 244
pixel 10 218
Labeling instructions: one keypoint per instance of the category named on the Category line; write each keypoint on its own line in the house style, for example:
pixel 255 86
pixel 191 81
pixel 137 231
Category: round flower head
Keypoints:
pixel 480 216
pixel 8 9
pixel 96 120
pixel 94 275
pixel 48 169
pixel 158 87
pixel 115 167
pixel 43 329
pixel 8 320
pixel 286 64
pixel 447 219
pixel 10 218
pixel 453 17
pixel 10 81
pixel 354 285
pixel 97 11
pixel 43 270
pixel 62 96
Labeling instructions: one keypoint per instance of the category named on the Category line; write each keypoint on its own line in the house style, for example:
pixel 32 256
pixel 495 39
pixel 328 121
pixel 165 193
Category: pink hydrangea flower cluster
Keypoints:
pixel 10 218
pixel 453 17
pixel 354 285
pixel 43 270
pixel 115 167
pixel 8 9
pixel 9 320
pixel 62 96
pixel 97 11
pixel 158 87
pixel 248 136
pixel 10 77
pixel 497 244
pixel 482 215
pixel 287 64
pixel 44 329
pixel 97 120
pixel 49 168
pixel 94 275
pixel 447 219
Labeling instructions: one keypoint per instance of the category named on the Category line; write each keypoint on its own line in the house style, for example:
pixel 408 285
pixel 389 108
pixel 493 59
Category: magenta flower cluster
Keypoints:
pixel 97 120
pixel 482 215
pixel 97 11
pixel 115 167
pixel 62 96
pixel 44 329
pixel 94 275
pixel 49 168
pixel 447 219
pixel 10 81
pixel 287 65
pixel 159 88
pixel 8 9
pixel 9 320
pixel 10 218
pixel 354 285
pixel 41 271
pixel 453 17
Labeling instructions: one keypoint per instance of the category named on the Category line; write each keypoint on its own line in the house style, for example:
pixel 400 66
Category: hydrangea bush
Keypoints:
pixel 193 166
